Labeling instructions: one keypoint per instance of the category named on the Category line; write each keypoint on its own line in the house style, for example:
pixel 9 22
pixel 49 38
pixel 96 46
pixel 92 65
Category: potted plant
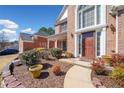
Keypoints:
pixel 30 58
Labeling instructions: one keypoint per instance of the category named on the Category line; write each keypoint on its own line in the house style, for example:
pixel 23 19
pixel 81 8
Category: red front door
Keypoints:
pixel 88 45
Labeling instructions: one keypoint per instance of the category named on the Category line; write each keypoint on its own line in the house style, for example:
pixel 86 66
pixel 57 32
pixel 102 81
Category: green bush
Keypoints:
pixel 117 73
pixel 30 58
pixel 39 50
pixel 56 52
pixel 45 54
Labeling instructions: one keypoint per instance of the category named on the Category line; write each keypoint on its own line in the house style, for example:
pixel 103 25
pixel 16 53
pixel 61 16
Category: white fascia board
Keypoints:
pixel 61 13
pixel 26 41
pixel 91 28
pixel 41 36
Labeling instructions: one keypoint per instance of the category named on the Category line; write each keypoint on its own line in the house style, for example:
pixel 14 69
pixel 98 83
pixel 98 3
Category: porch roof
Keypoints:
pixel 60 36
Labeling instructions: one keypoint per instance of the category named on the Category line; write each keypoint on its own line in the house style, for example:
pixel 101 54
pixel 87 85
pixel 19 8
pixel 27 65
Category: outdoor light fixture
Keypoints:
pixel 72 35
pixel 112 28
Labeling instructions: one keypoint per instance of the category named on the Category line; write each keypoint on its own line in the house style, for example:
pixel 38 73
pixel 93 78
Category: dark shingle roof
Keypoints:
pixel 41 34
pixel 26 37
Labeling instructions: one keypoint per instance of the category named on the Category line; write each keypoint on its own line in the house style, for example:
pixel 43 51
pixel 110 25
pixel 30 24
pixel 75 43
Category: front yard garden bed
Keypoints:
pixel 108 71
pixel 47 78
pixel 106 81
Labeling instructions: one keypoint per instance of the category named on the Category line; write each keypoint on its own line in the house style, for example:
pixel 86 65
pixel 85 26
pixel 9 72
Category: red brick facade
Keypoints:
pixel 57 29
pixel 37 42
pixel 71 29
pixel 110 33
pixel 69 36
pixel 40 41
pixel 121 32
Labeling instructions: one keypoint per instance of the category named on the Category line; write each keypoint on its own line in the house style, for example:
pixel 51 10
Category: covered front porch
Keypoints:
pixel 60 40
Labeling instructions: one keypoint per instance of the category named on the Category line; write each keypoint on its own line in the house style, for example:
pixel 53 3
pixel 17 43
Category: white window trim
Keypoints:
pixel 102 25
pixel 102 17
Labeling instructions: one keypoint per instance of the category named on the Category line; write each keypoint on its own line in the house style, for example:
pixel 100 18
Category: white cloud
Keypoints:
pixel 8 24
pixel 10 34
pixel 28 30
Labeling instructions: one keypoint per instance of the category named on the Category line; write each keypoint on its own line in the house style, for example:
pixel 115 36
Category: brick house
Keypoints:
pixel 90 30
pixel 37 40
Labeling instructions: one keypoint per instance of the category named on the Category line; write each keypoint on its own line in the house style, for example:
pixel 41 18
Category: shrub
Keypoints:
pixel 56 52
pixel 68 54
pixel 98 66
pixel 30 58
pixel 56 69
pixel 117 59
pixel 114 60
pixel 45 54
pixel 117 73
pixel 39 50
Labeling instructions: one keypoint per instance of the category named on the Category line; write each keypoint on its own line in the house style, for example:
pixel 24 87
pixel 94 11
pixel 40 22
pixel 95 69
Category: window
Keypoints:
pixel 88 17
pixel 98 43
pixel 79 44
pixel 79 21
pixel 98 14
pixel 64 26
pixel 82 7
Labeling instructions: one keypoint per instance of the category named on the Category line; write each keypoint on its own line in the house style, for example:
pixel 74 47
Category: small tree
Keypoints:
pixel 50 31
pixel 3 40
pixel 43 29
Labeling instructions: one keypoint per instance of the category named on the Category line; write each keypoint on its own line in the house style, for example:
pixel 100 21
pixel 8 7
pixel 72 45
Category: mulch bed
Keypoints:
pixel 47 79
pixel 107 81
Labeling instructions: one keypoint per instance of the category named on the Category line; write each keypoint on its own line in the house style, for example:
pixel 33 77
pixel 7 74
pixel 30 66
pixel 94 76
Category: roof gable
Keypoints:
pixel 63 13
pixel 26 37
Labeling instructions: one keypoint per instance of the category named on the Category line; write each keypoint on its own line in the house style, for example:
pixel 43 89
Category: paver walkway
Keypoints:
pixel 79 76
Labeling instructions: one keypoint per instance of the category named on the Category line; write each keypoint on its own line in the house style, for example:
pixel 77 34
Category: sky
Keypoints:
pixel 28 19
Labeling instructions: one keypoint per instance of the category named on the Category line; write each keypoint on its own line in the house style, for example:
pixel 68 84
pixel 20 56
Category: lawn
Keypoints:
pixel 4 60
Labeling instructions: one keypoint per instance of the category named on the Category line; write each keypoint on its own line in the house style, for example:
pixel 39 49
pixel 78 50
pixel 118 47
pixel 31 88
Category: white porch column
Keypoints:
pixel 55 43
pixel 75 51
pixel 48 44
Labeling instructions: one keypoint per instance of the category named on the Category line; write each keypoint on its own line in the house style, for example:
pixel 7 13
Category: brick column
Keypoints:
pixel 55 43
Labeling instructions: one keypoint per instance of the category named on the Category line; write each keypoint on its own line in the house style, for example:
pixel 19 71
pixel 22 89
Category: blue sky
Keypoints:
pixel 27 18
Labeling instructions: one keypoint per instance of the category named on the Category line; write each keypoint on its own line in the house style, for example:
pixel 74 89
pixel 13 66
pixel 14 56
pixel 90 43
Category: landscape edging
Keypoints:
pixel 8 80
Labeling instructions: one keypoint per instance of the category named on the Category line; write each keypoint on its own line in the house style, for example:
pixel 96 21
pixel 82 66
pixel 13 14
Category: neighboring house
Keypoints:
pixel 13 45
pixel 37 40
pixel 90 30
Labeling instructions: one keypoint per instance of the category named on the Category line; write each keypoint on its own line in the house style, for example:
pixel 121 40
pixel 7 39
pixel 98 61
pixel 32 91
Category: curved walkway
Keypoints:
pixel 78 77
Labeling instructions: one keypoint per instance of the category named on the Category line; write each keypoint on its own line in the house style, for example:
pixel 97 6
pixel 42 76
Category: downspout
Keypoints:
pixel 117 32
